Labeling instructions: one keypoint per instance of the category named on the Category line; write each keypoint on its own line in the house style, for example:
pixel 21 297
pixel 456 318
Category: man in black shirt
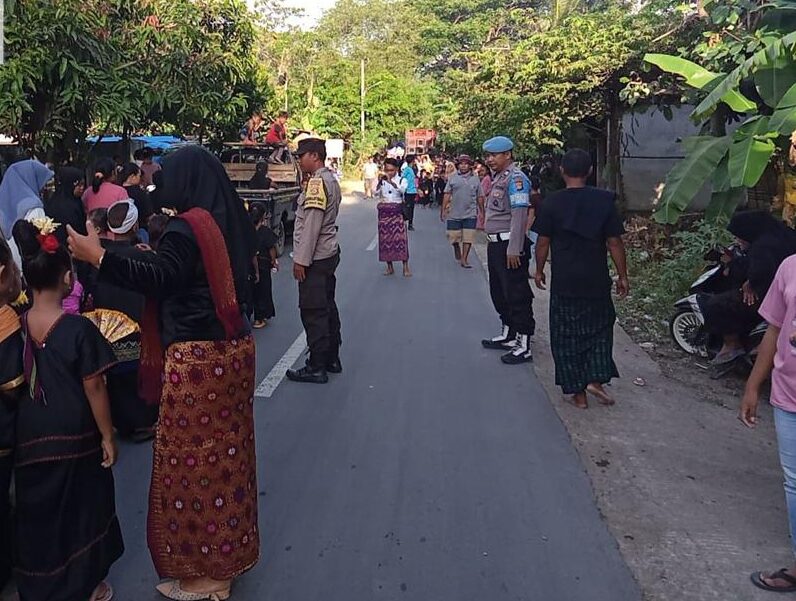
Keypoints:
pixel 578 224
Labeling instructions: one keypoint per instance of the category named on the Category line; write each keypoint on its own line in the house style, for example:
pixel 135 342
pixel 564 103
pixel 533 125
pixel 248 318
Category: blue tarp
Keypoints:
pixel 154 142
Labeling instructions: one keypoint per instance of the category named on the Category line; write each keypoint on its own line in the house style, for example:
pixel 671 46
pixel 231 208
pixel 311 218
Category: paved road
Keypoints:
pixel 428 471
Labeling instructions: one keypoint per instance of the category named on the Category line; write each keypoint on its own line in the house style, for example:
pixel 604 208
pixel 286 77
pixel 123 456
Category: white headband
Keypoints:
pixel 129 220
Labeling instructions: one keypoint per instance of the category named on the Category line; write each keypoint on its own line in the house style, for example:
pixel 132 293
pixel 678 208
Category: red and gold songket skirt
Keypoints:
pixel 203 498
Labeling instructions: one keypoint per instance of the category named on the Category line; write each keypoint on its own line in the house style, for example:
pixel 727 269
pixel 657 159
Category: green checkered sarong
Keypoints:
pixel 582 340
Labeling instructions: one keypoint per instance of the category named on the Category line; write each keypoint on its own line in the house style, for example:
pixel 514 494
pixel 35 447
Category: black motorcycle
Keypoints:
pixel 687 325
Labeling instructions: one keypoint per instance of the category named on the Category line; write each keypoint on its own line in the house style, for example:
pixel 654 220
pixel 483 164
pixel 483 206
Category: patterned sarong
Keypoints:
pixel 582 340
pixel 203 499
pixel 393 239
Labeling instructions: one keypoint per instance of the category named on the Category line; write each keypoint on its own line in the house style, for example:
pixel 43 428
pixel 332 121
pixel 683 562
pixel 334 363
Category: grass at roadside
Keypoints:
pixel 662 264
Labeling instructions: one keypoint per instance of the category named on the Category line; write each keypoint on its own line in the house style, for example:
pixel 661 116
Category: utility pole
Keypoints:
pixel 362 99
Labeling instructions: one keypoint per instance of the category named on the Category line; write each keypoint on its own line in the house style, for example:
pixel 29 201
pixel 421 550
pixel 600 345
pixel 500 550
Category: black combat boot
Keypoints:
pixel 333 365
pixel 504 341
pixel 308 374
pixel 521 353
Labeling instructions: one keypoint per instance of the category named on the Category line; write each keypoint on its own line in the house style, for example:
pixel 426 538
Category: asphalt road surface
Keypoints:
pixel 427 471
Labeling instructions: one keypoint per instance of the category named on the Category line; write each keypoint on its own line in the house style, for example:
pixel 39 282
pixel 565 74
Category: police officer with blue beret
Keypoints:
pixel 508 252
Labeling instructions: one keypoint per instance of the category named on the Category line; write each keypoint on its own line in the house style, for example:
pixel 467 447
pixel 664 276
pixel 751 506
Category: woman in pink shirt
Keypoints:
pixel 777 356
pixel 103 191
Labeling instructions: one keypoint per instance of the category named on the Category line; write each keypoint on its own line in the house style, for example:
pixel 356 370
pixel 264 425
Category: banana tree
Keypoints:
pixel 732 163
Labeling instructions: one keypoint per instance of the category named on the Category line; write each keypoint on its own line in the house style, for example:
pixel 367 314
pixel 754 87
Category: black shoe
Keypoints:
pixel 334 366
pixel 310 375
pixel 505 344
pixel 505 341
pixel 521 352
pixel 411 228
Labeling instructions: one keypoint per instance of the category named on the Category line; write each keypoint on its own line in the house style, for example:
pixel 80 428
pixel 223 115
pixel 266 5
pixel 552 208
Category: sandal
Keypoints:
pixel 171 589
pixel 103 592
pixel 759 582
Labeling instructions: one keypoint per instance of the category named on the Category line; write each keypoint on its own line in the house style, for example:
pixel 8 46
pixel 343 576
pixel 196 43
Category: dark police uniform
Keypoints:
pixel 315 247
pixel 506 218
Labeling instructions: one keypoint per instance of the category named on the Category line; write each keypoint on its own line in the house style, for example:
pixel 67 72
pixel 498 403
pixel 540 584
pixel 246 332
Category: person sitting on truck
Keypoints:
pixel 277 135
pixel 260 179
pixel 250 132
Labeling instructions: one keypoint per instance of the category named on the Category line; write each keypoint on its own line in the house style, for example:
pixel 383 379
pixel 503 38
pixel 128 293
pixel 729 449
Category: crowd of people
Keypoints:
pixel 126 314
pixel 579 227
pixel 128 300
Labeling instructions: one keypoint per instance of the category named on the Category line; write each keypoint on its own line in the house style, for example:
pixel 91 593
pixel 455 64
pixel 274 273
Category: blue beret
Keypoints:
pixel 498 144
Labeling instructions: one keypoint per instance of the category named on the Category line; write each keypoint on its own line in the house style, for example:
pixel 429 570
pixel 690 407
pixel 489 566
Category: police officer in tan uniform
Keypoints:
pixel 508 252
pixel 316 256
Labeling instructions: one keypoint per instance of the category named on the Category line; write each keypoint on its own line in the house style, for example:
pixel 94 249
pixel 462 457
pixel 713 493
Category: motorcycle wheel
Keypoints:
pixel 684 327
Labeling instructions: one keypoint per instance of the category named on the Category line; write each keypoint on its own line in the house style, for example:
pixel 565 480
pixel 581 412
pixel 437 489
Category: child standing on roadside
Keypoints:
pixel 262 293
pixel 777 352
pixel 68 535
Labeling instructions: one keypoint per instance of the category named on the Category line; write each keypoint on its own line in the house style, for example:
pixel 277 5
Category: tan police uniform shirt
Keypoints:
pixel 315 234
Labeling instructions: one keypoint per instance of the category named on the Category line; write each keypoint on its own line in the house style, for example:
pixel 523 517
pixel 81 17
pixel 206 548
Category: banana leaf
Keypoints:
pixel 685 180
pixel 748 160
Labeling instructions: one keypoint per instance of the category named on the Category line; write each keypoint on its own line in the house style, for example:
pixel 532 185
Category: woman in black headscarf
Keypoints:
pixel 65 206
pixel 202 526
pixel 732 314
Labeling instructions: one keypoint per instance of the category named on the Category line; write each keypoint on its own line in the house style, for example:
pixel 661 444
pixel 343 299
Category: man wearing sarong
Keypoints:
pixel 316 256
pixel 578 224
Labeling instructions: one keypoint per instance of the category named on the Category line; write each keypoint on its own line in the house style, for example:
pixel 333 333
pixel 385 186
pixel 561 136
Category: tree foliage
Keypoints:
pixel 119 65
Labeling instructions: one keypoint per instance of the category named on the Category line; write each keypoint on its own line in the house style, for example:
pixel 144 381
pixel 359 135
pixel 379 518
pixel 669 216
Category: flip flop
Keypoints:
pixel 105 595
pixel 725 358
pixel 467 266
pixel 757 580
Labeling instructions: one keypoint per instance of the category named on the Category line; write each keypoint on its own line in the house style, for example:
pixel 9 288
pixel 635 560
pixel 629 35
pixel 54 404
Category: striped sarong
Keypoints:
pixel 393 239
pixel 582 340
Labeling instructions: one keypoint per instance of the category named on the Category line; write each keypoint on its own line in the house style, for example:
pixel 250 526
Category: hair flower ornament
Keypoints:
pixel 45 225
pixel 46 237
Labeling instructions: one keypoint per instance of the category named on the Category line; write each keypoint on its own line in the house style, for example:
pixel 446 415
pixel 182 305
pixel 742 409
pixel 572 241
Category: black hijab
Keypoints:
pixel 194 178
pixel 770 243
pixel 63 206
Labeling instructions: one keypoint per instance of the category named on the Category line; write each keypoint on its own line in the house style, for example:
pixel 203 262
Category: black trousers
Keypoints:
pixel 510 289
pixel 262 294
pixel 319 311
pixel 409 208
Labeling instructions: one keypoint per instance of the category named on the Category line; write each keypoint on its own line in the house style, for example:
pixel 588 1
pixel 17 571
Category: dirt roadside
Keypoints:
pixel 693 498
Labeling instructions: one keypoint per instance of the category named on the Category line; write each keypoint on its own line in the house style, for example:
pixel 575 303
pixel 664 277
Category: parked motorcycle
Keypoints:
pixel 687 325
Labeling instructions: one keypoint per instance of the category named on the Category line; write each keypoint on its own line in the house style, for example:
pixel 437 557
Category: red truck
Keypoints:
pixel 419 141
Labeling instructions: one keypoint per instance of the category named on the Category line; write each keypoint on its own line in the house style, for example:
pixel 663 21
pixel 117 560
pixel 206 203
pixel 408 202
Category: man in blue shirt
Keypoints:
pixel 410 195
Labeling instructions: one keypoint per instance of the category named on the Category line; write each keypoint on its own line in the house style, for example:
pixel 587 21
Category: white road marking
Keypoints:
pixel 373 243
pixel 272 381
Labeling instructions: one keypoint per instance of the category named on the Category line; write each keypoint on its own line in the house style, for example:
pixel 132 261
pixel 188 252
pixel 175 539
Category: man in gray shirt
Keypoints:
pixel 460 204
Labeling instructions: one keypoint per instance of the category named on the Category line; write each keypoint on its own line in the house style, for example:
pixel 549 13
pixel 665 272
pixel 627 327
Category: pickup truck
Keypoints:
pixel 240 162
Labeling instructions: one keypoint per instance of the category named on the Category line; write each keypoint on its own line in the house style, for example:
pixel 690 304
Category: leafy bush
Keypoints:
pixel 661 276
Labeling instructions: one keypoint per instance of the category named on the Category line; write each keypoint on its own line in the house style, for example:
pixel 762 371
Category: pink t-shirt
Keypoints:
pixel 108 194
pixel 779 309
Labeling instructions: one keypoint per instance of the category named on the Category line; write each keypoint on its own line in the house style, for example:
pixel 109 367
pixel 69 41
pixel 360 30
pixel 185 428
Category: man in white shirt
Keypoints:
pixel 370 172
